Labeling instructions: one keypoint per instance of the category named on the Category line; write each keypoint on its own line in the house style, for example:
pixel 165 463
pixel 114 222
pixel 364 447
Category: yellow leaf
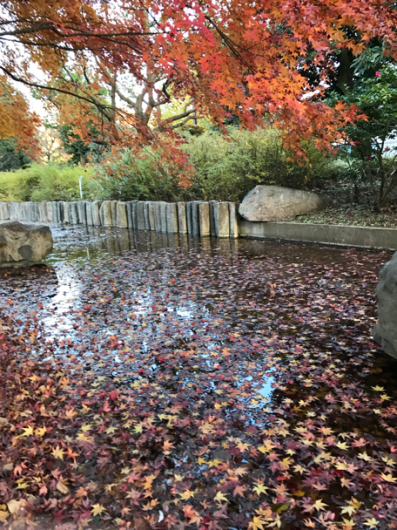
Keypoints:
pixel 364 456
pixel 214 463
pixel 28 431
pixel 40 431
pixel 14 506
pixel 62 488
pixel 260 488
pixel 97 509
pixel 388 478
pixel 186 495
pixel 58 452
pixel 298 493
pixel 70 414
pixel 371 523
pixel 378 388
pixel 257 523
pixel 388 461
pixel 220 497
pixel 3 515
pixel 348 509
pixel 266 447
pixel 83 438
pixel 319 505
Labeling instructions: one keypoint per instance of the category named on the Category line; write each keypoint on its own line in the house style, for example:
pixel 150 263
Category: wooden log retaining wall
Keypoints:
pixel 196 218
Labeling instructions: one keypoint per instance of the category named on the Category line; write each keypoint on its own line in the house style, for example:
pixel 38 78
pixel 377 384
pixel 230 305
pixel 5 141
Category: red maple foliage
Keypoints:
pixel 238 58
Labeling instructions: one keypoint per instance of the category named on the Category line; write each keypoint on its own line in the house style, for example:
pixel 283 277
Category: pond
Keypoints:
pixel 217 383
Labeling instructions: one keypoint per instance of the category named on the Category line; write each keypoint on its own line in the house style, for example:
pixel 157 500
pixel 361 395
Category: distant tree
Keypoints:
pixel 17 122
pixel 79 150
pixel 11 156
pixel 50 143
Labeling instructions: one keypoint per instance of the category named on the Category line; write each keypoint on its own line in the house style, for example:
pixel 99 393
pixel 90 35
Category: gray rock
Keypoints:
pixel 194 212
pixel 31 211
pixel 23 244
pixel 163 217
pixel 233 220
pixel 134 214
pixel 61 208
pixel 192 217
pixel 385 332
pixel 204 219
pixel 114 212
pixel 212 219
pixel 275 203
pixel 222 220
pixel 65 208
pixel 47 211
pixel 105 213
pixel 150 214
pixel 89 213
pixel 13 208
pixel 182 226
pixel 130 217
pixel 140 214
pixel 47 216
pixel 122 221
pixel 96 218
pixel 22 212
pixel 25 213
pixel 73 213
pixel 172 218
pixel 82 213
pixel 189 217
pixel 157 216
pixel 4 212
pixel 129 214
pixel 55 211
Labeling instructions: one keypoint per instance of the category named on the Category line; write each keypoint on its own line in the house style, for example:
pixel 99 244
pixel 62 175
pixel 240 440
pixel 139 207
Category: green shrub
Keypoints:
pixel 143 177
pixel 219 167
pixel 225 168
pixel 48 183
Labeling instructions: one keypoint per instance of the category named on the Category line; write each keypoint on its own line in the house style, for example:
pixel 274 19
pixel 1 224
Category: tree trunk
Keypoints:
pixel 344 76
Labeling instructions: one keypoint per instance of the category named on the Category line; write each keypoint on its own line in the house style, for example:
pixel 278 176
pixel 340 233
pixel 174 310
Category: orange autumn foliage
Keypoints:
pixel 234 57
pixel 16 119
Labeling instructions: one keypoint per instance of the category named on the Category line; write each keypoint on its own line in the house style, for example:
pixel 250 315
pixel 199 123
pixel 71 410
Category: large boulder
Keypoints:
pixel 22 244
pixel 275 203
pixel 385 332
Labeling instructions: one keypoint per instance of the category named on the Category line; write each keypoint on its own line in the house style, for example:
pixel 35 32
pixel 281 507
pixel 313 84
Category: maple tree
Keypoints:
pixel 16 119
pixel 228 58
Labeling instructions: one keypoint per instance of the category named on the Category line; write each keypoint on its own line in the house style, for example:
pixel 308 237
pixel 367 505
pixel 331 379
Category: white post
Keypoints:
pixel 81 191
